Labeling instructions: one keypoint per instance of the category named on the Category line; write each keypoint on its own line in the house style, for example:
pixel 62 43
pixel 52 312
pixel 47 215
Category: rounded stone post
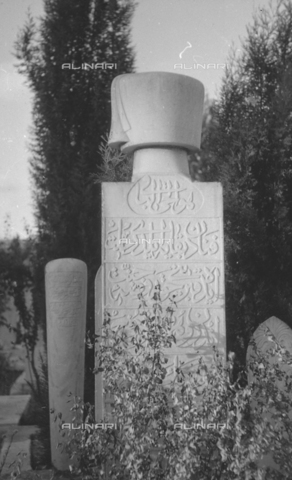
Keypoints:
pixel 66 290
pixel 263 343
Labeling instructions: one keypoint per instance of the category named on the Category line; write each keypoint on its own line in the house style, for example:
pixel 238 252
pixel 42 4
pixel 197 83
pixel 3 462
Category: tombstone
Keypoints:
pixel 66 291
pixel 162 227
pixel 282 333
pixel 263 343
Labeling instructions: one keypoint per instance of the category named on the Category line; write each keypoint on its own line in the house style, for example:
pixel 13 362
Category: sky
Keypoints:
pixel 187 37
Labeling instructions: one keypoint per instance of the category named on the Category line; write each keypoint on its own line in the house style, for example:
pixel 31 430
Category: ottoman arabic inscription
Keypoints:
pixel 158 195
pixel 195 285
pixel 162 238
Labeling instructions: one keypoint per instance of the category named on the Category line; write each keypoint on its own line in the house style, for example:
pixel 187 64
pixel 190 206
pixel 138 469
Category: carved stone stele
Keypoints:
pixel 162 227
pixel 66 290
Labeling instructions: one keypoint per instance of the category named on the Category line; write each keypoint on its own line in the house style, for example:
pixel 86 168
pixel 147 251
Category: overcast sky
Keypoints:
pixel 168 35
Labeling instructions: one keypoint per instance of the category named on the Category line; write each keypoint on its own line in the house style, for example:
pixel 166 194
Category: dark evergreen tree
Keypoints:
pixel 248 148
pixel 71 114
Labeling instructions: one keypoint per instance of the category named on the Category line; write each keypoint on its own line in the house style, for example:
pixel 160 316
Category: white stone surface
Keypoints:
pixel 162 195
pixel 162 227
pixel 66 290
pixel 153 161
pixel 166 229
pixel 155 109
pixel 129 239
pixel 193 285
pixel 99 316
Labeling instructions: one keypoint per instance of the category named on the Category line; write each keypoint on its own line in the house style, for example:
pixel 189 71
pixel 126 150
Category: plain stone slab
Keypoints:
pixel 12 407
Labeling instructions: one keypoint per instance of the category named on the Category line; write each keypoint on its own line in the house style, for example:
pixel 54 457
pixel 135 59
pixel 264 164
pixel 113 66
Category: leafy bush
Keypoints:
pixel 115 166
pixel 201 425
pixel 247 147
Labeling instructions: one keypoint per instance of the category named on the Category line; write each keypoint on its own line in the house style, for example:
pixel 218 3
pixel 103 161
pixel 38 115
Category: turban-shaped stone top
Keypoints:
pixel 156 109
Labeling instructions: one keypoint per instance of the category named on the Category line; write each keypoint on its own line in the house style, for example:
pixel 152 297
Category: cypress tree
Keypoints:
pixel 71 115
pixel 249 149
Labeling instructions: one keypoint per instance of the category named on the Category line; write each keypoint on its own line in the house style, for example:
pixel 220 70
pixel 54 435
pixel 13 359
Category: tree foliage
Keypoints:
pixel 248 147
pixel 71 114
pixel 17 282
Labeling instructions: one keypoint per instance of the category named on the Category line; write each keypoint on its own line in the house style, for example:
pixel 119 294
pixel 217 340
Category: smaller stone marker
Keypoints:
pixel 283 335
pixel 66 291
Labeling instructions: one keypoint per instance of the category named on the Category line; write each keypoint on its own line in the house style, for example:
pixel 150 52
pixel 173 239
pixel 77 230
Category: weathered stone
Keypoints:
pixel 66 290
pixel 283 335
pixel 279 329
pixel 156 109
pixel 152 161
pixel 178 243
pixel 162 227
pixel 262 342
pixel 99 403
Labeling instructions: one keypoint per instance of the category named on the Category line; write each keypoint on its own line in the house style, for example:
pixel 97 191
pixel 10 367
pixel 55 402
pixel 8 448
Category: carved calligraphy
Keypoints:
pixel 159 195
pixel 61 290
pixel 189 363
pixel 196 330
pixel 193 327
pixel 162 239
pixel 167 230
pixel 195 285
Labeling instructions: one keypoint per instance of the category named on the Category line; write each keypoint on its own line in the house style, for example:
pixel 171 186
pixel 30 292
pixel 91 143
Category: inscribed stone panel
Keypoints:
pixel 194 284
pixel 193 327
pixel 162 239
pixel 186 198
pixel 167 229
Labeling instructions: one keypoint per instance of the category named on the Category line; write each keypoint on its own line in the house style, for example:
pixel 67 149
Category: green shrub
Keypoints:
pixel 201 425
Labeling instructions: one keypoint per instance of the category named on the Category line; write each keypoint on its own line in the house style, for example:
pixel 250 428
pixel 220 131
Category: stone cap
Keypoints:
pixel 156 109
